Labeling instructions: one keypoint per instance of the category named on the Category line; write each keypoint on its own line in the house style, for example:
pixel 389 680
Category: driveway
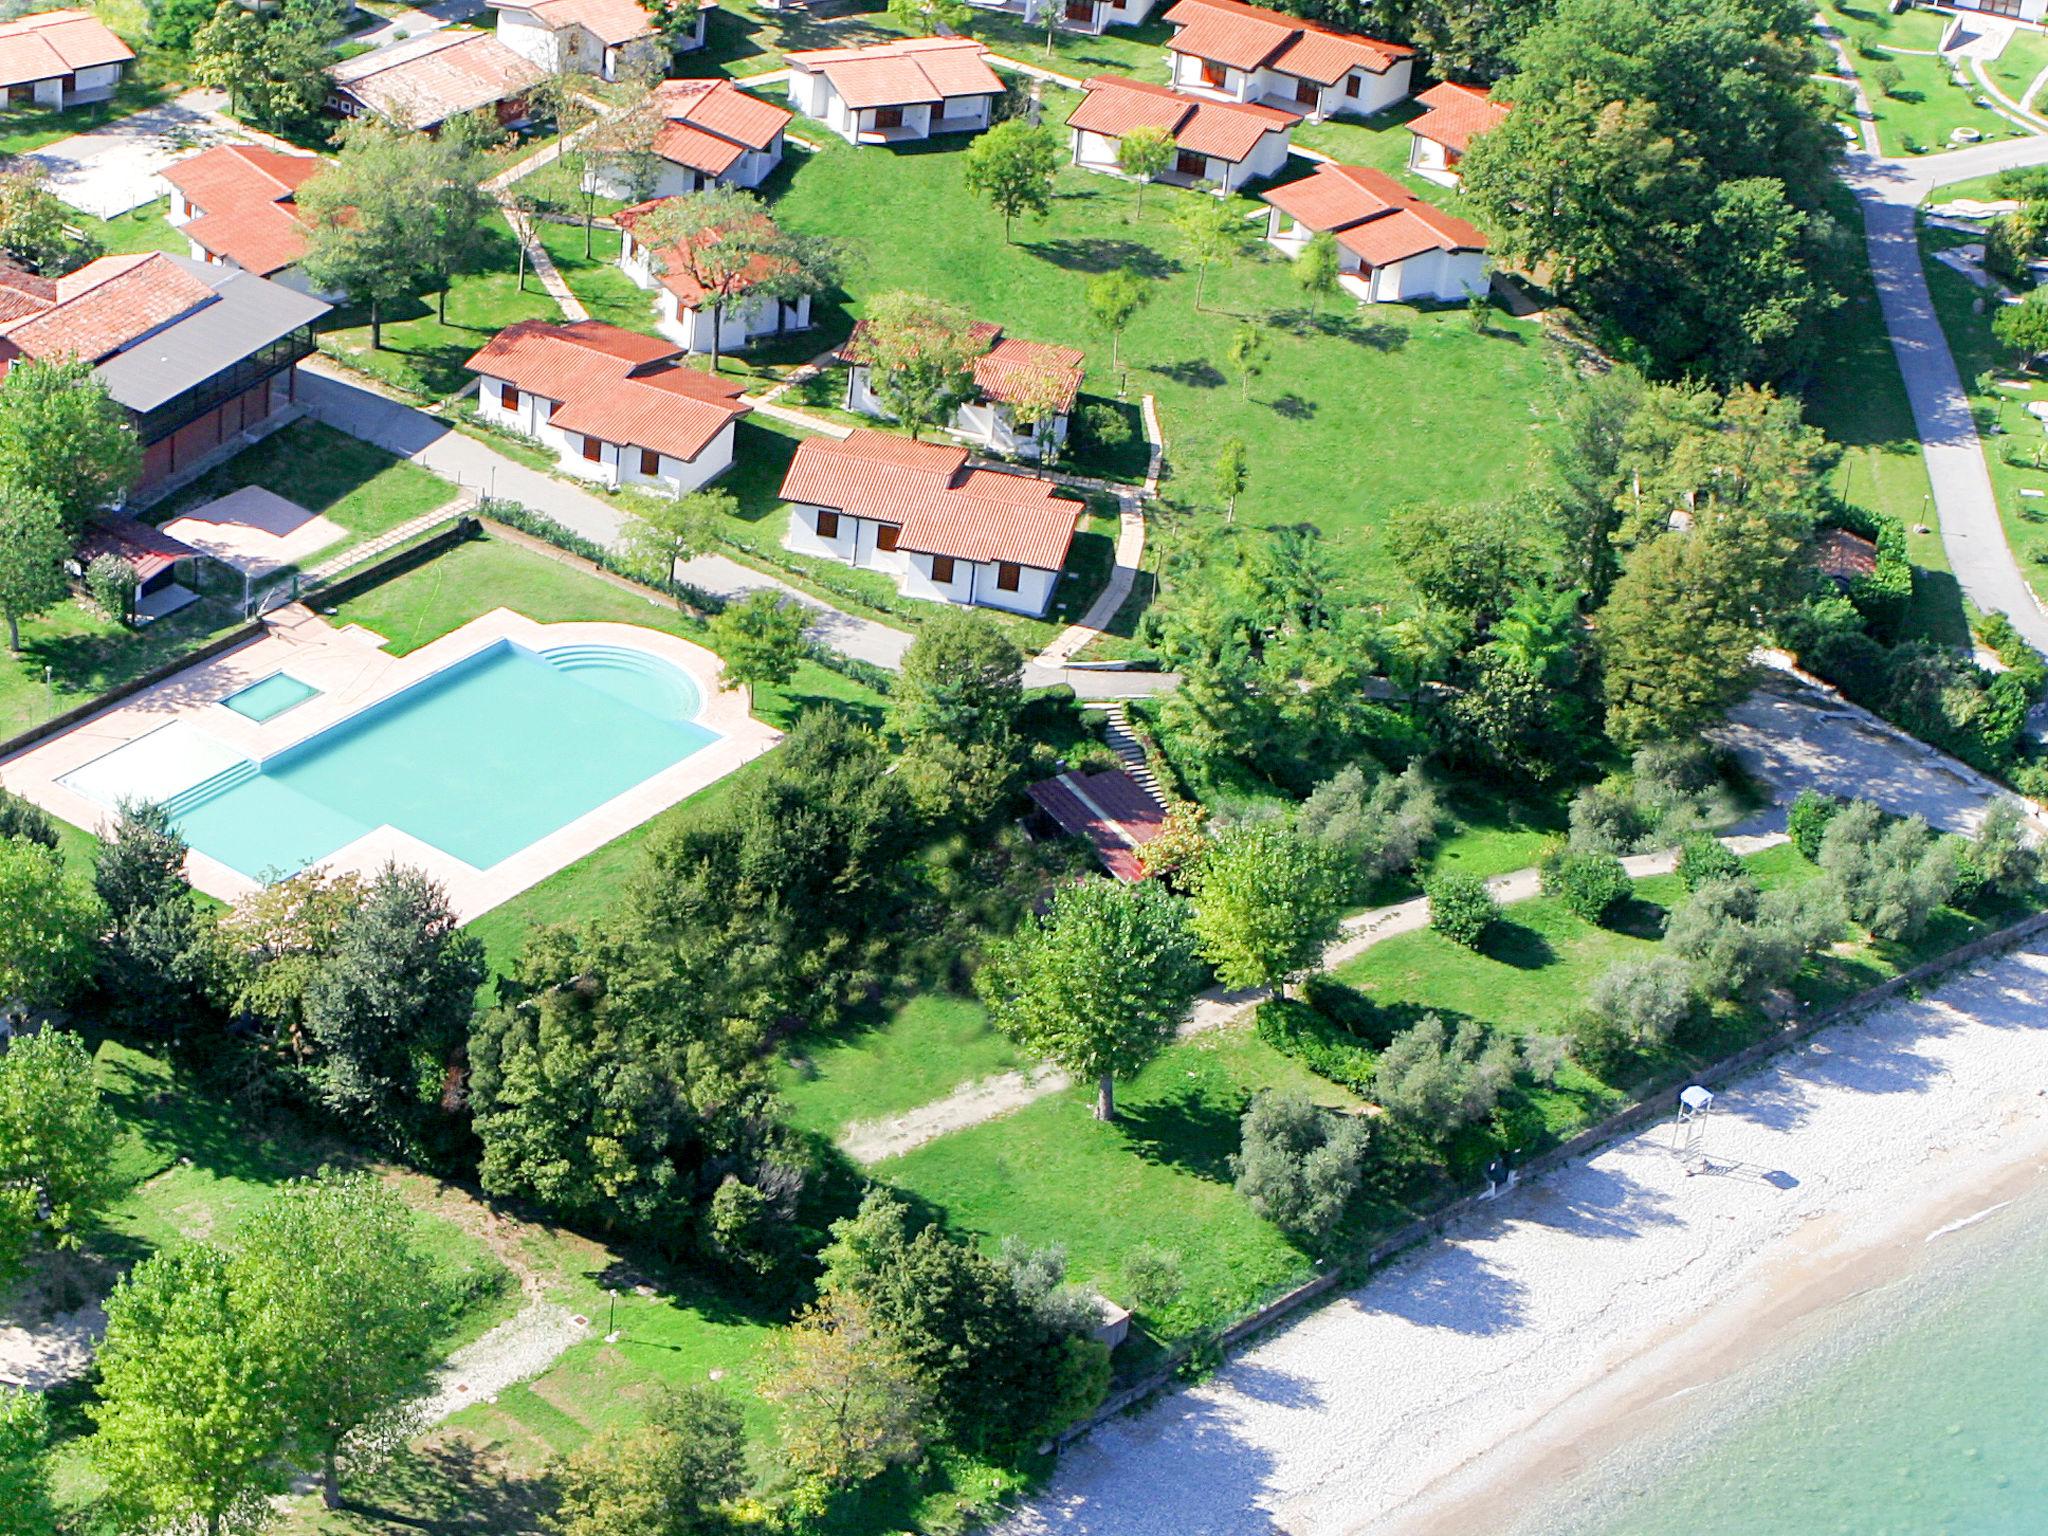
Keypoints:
pixel 412 23
pixel 113 169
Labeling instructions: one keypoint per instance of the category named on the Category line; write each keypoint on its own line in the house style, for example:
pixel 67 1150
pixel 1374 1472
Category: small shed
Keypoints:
pixel 1115 1324
pixel 154 554
pixel 1843 556
pixel 1110 808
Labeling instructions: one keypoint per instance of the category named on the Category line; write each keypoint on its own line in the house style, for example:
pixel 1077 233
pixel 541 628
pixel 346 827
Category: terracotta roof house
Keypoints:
pixel 1457 115
pixel 1090 16
pixel 199 355
pixel 59 59
pixel 1391 245
pixel 947 533
pixel 1007 371
pixel 893 93
pixel 1224 142
pixel 605 38
pixel 682 310
pixel 1245 53
pixel 611 403
pixel 1109 808
pixel 237 207
pixel 423 81
pixel 710 133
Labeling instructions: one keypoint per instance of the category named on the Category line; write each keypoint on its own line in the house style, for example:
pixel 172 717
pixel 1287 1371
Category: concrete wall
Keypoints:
pixel 1430 159
pixel 857 543
pixel 1373 93
pixel 1439 275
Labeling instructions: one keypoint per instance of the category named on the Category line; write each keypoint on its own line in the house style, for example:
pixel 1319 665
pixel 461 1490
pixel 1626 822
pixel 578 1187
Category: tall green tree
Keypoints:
pixel 27 1491
pixel 49 927
pixel 56 1144
pixel 192 1430
pixel 926 17
pixel 1266 905
pixel 34 546
pixel 760 639
pixel 273 64
pixel 962 678
pixel 1143 154
pixel 919 354
pixel 33 223
pixel 1233 474
pixel 1674 642
pixel 1249 350
pixel 1209 233
pixel 672 1475
pixel 723 241
pixel 851 1404
pixel 371 218
pixel 666 533
pixel 457 222
pixel 1013 165
pixel 62 434
pixel 1114 298
pixel 1098 983
pixel 1317 268
pixel 2024 327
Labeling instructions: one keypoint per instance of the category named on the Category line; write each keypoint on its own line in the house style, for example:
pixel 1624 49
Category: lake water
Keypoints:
pixel 1919 1407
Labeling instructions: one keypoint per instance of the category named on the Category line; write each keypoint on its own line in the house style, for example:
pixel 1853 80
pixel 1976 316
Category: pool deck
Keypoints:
pixel 353 672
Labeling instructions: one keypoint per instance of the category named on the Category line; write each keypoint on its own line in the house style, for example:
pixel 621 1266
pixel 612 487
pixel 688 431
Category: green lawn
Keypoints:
pixel 1926 106
pixel 141 229
pixel 71 653
pixel 26 129
pixel 2019 63
pixel 920 1050
pixel 606 292
pixel 1381 142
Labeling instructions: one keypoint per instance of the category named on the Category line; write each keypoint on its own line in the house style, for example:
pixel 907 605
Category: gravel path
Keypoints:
pixel 517 1350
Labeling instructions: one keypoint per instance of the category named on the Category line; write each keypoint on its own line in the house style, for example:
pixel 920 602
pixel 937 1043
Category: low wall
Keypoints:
pixel 1653 1107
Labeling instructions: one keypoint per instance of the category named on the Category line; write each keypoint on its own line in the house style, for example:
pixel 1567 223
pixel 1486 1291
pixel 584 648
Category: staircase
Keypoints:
pixel 1130 752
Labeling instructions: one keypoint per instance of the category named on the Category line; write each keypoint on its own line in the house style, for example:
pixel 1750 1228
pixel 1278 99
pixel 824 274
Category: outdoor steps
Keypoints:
pixel 195 795
pixel 1116 730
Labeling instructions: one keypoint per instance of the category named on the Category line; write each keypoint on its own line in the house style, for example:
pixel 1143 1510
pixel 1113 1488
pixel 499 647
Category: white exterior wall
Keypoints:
pixel 856 544
pixel 1187 76
pixel 1275 88
pixel 1431 160
pixel 1093 151
pixel 962 114
pixel 620 463
pixel 529 418
pixel 1439 275
pixel 524 34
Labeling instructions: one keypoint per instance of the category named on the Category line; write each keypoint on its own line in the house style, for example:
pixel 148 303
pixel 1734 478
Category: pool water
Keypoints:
pixel 480 761
pixel 270 697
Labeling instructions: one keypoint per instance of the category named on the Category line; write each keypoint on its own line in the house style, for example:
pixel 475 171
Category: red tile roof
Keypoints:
pixel 902 74
pixel 1229 130
pixel 710 123
pixel 1372 214
pixel 939 506
pixel 1110 809
pixel 428 79
pixel 982 334
pixel 243 195
pixel 99 309
pixel 1844 556
pixel 54 43
pixel 672 274
pixel 611 22
pixel 613 384
pixel 1457 115
pixel 1248 37
pixel 150 550
pixel 1009 369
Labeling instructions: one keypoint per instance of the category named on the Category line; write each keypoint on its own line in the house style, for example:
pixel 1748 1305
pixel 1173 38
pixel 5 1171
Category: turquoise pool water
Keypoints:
pixel 270 697
pixel 479 760
pixel 1918 1407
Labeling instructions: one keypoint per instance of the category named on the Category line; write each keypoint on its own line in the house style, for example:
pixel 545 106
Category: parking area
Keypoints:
pixel 113 169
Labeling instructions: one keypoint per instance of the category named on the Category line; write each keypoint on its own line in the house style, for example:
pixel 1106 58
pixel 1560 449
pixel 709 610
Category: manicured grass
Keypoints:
pixel 1927 105
pixel 84 654
pixel 26 129
pixel 1382 142
pixel 140 229
pixel 606 292
pixel 920 1050
pixel 1354 415
pixel 2019 63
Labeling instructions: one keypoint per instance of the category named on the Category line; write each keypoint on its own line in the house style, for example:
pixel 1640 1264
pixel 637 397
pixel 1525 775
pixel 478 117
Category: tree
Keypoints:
pixel 1209 231
pixel 2024 326
pixel 111 583
pixel 851 1404
pixel 1233 474
pixel 49 928
pixel 613 153
pixel 1013 165
pixel 1249 350
pixel 672 1475
pixel 760 638
pixel 1380 828
pixel 1674 641
pixel 56 1143
pixel 23 818
pixel 1437 1082
pixel 172 23
pixel 192 1432
pixel 460 207
pixel 348 1304
pixel 722 240
pixel 33 548
pixel 666 533
pixel 1807 822
pixel 1097 983
pixel 270 948
pixel 1741 942
pixel 1267 902
pixel 391 1005
pixel 140 861
pixel 919 353
pixel 273 65
pixel 926 17
pixel 368 218
pixel 1647 1000
pixel 62 434
pixel 1317 268
pixel 26 1491
pixel 2000 853
pixel 1114 298
pixel 1142 154
pixel 33 223
pixel 1590 884
pixel 1298 1164
pixel 1893 874
pixel 1703 857
pixel 962 680
pixel 1461 908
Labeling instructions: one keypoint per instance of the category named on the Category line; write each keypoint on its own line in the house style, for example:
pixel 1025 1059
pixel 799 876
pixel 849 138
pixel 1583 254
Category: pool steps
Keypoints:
pixel 196 795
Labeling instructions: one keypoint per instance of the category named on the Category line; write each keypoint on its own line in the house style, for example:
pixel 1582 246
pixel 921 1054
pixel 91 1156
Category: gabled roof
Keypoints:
pixel 1011 368
pixel 938 505
pixel 244 195
pixel 1110 809
pixel 611 22
pixel 671 274
pixel 1248 37
pixel 1229 130
pixel 104 306
pixel 1457 115
pixel 614 384
pixel 915 71
pixel 54 43
pixel 431 78
pixel 1373 215
pixel 708 124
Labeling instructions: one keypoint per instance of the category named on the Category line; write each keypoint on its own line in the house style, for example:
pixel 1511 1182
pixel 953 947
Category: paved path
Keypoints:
pixel 414 23
pixel 1130 554
pixel 119 166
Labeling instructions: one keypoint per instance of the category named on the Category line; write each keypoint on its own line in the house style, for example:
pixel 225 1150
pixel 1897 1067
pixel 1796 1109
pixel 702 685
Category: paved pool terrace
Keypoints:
pixel 173 741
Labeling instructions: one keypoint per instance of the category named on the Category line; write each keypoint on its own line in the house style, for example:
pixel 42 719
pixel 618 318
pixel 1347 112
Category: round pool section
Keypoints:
pixel 632 677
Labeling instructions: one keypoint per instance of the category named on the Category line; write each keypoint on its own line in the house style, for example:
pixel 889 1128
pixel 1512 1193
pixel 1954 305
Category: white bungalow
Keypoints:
pixel 1227 143
pixel 895 93
pixel 1007 372
pixel 1243 53
pixel 59 59
pixel 945 532
pixel 1391 245
pixel 605 38
pixel 1438 139
pixel 681 310
pixel 1090 16
pixel 711 134
pixel 610 403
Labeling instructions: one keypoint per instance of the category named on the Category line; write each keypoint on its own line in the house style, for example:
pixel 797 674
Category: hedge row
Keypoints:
pixel 1883 596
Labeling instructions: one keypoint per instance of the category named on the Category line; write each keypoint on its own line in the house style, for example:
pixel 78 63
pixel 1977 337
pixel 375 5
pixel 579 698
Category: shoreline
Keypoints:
pixel 1584 1310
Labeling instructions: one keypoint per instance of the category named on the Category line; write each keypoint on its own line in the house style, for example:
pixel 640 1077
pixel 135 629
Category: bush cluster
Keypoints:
pixel 1298 1030
pixel 1591 885
pixel 1461 908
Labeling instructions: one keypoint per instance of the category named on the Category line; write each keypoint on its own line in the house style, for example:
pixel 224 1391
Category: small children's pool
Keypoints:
pixel 480 760
pixel 270 697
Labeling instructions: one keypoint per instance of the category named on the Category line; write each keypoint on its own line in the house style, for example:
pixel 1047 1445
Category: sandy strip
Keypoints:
pixel 1429 1399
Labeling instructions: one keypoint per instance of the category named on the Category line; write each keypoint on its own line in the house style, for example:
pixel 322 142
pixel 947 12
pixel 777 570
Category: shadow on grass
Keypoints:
pixel 449 1486
pixel 1186 1130
pixel 1511 943
pixel 1101 255
pixel 1293 407
pixel 1637 918
pixel 1195 372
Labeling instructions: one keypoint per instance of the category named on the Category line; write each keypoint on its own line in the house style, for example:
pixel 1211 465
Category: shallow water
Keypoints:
pixel 1916 1407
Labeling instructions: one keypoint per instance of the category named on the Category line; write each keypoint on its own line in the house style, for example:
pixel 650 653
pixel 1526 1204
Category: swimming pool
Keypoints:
pixel 480 760
pixel 269 697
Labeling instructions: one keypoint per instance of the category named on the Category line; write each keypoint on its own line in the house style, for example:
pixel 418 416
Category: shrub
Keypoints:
pixel 1808 821
pixel 26 820
pixel 1438 1082
pixel 1716 929
pixel 1151 1277
pixel 2010 646
pixel 1646 1000
pixel 1104 426
pixel 1589 884
pixel 1461 908
pixel 1605 819
pixel 1705 857
pixel 1542 1058
pixel 1598 1043
pixel 1883 596
pixel 1381 828
pixel 1348 1009
pixel 1297 1030
pixel 1887 77
pixel 2001 855
pixel 1298 1165
pixel 1893 876
pixel 110 582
